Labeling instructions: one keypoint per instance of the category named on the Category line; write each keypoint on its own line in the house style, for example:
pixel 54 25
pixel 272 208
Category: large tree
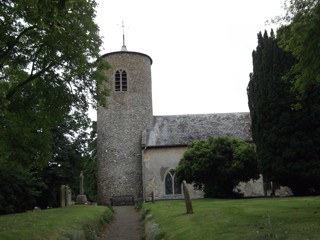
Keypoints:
pixel 55 42
pixel 285 136
pixel 217 165
pixel 49 70
pixel 270 102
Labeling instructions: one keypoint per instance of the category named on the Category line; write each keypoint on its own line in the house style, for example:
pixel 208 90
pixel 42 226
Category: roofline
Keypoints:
pixel 128 52
pixel 183 145
pixel 201 114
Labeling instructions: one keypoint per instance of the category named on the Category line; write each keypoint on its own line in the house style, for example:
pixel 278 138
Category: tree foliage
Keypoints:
pixel 285 136
pixel 68 158
pixel 54 43
pixel 19 188
pixel 270 101
pixel 49 69
pixel 300 35
pixel 90 165
pixel 217 165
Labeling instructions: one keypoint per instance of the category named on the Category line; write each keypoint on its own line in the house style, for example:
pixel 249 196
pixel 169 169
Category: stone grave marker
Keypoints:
pixel 62 196
pixel 187 198
pixel 81 198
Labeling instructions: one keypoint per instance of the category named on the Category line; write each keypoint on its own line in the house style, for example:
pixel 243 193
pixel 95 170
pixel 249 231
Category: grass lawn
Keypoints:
pixel 261 218
pixel 74 222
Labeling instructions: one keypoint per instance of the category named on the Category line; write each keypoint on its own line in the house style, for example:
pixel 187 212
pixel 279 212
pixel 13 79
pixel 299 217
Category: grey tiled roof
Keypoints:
pixel 182 129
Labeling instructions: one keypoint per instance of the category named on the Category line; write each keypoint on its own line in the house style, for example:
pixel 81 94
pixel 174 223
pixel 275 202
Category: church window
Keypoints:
pixel 124 81
pixel 177 187
pixel 121 81
pixel 169 188
pixel 117 81
pixel 171 184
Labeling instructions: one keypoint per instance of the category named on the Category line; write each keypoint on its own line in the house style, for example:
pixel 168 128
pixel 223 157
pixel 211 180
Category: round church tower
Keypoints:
pixel 120 126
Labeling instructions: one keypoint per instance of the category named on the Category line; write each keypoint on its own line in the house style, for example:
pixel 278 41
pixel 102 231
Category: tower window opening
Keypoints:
pixel 171 184
pixel 121 81
pixel 117 81
pixel 124 81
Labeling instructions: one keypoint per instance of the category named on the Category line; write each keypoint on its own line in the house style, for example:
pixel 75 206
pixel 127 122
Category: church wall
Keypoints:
pixel 157 162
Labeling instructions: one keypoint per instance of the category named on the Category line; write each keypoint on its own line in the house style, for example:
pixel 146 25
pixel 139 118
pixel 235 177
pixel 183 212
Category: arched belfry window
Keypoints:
pixel 121 81
pixel 171 184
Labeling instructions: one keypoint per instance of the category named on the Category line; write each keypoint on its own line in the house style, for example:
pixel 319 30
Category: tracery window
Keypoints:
pixel 171 184
pixel 121 81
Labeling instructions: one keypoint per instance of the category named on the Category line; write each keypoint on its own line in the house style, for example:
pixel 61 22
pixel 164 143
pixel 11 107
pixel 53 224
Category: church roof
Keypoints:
pixel 182 129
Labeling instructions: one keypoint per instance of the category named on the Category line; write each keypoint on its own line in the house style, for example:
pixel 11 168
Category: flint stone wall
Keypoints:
pixel 120 127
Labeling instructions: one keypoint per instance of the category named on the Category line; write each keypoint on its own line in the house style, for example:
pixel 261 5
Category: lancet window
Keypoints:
pixel 121 81
pixel 171 184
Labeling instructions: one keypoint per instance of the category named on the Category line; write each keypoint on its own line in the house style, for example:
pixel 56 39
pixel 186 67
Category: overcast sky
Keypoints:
pixel 201 50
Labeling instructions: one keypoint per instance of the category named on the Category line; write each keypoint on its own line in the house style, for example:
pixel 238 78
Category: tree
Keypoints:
pixel 218 165
pixel 270 102
pixel 300 36
pixel 49 69
pixel 52 42
pixel 19 188
pixel 68 159
pixel 285 136
pixel 90 165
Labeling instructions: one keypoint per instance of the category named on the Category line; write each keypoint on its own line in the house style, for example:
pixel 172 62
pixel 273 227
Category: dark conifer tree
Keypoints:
pixel 286 145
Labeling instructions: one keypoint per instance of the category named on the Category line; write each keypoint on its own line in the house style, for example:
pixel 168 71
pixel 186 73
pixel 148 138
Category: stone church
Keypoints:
pixel 138 152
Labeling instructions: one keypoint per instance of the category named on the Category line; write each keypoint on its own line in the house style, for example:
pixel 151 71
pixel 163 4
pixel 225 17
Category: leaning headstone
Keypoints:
pixel 187 198
pixel 81 198
pixel 62 196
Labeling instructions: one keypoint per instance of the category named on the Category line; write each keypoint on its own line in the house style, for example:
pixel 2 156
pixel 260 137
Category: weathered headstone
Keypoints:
pixel 62 196
pixel 81 198
pixel 152 196
pixel 187 198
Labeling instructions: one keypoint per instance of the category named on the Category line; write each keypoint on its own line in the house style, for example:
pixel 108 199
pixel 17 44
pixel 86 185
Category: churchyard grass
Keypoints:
pixel 257 218
pixel 73 222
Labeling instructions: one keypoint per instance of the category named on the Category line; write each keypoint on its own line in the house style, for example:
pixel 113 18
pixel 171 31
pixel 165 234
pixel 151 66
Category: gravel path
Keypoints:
pixel 127 225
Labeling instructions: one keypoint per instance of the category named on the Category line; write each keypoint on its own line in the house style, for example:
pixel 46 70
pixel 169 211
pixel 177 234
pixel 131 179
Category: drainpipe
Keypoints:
pixel 143 176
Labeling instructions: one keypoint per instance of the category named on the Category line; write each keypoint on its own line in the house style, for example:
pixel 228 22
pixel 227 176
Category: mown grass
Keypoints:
pixel 74 222
pixel 262 218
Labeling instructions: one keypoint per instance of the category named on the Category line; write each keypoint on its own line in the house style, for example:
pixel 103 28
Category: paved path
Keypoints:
pixel 127 225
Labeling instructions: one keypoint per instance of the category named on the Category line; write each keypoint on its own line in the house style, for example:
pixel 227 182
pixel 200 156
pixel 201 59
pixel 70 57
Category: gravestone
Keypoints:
pixel 187 198
pixel 81 198
pixel 62 196
pixel 65 196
